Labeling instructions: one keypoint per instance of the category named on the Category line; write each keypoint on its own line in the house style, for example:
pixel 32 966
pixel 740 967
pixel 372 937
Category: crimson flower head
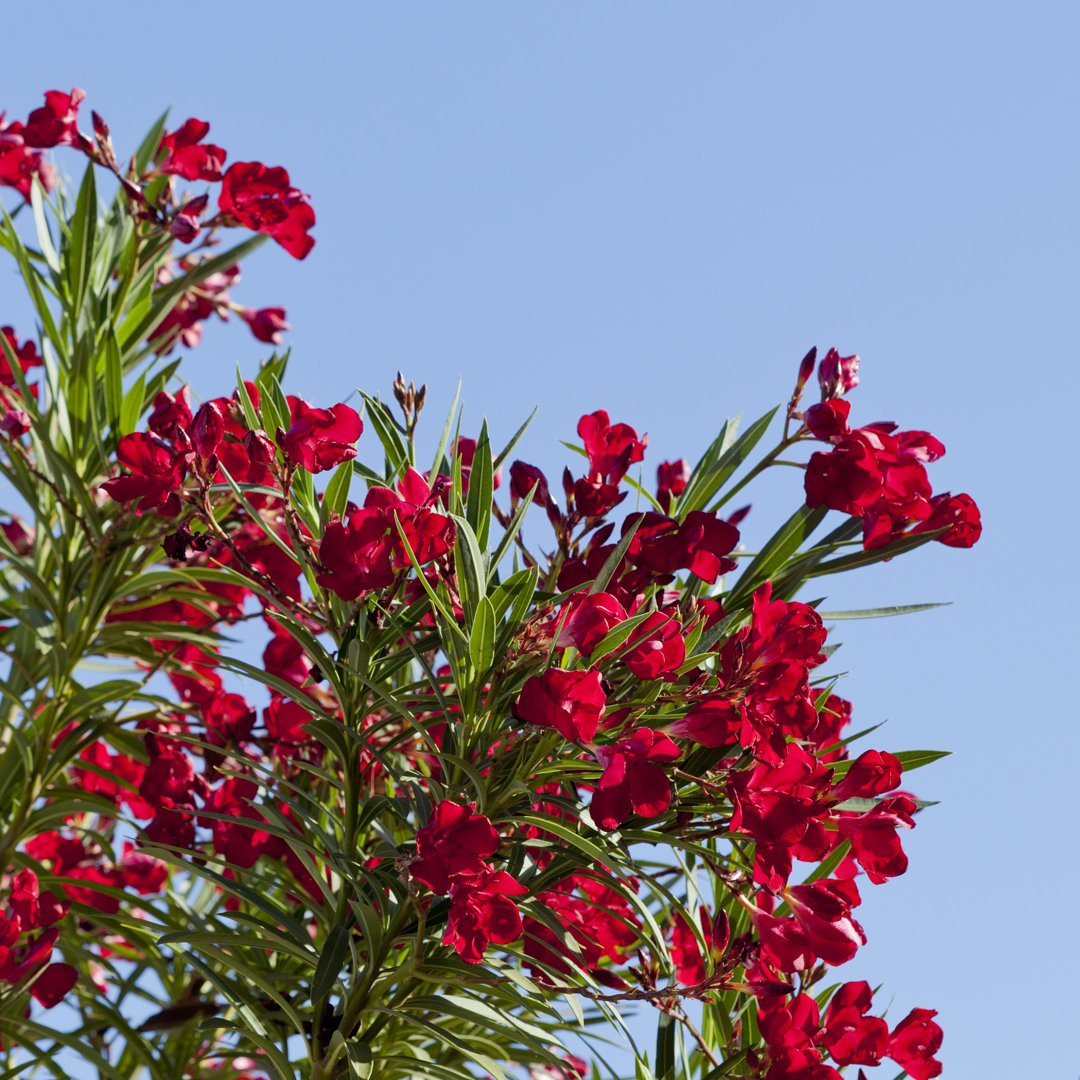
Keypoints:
pixel 452 846
pixel 19 164
pixel 261 198
pixel 612 449
pixel 26 354
pixel 523 478
pixel 658 647
pixel 914 1042
pixel 188 156
pixel 671 480
pixel 823 912
pixel 633 778
pixel 156 474
pixel 852 1037
pixel 55 122
pixel 482 911
pixel 571 702
pixel 321 439
pixel 266 324
pixel 587 618
pixel 837 374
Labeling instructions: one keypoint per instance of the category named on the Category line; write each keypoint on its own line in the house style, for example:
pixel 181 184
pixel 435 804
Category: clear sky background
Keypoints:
pixel 656 209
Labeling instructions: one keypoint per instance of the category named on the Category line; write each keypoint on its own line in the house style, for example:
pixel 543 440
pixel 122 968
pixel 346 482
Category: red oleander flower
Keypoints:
pixel 658 648
pixel 26 354
pixel 523 478
pixel 823 911
pixel 261 199
pixel 713 721
pixel 320 439
pixel 612 449
pixel 852 1037
pixel 188 156
pixel 571 702
pixel 452 847
pixel 699 544
pixel 837 374
pixel 19 164
pixel 847 478
pixel 482 911
pixel 56 122
pixel 586 619
pixel 267 324
pixel 156 474
pixel 875 842
pixel 671 480
pixel 633 778
pixel 914 1042
pixel 960 514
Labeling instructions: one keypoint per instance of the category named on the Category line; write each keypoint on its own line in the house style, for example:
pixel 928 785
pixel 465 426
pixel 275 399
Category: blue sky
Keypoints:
pixel 656 209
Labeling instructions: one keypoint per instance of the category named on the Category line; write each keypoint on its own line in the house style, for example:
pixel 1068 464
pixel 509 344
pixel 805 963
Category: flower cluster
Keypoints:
pixel 469 742
pixel 877 472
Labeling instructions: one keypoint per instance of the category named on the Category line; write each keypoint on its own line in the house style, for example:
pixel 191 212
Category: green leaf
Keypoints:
pixel 482 637
pixel 80 253
pixel 611 563
pixel 515 439
pixel 868 558
pixel 881 612
pixel 132 406
pixel 397 456
pixel 481 489
pixel 331 961
pixel 665 1047
pixel 41 225
pixel 444 439
pixel 776 552
pixel 336 496
pixel 254 423
pixel 916 759
pixel 471 567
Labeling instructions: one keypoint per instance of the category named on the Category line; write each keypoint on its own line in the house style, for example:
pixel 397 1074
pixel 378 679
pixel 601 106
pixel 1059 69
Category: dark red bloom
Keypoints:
pixel 321 439
pixel 657 647
pixel 587 618
pixel 26 354
pixel 698 544
pixel 56 122
pixel 207 429
pixel 671 480
pixel 914 1042
pixel 188 156
pixel 572 702
pixel 452 846
pixel 482 911
pixel 142 872
pixel 686 955
pixel 156 474
pixel 874 839
pixel 267 324
pixel 633 778
pixel 960 514
pixel 261 199
pixel 837 374
pixel 19 164
pixel 823 911
pixel 187 221
pixel 713 721
pixel 852 1037
pixel 828 419
pixel 612 449
pixel 523 478
pixel 846 478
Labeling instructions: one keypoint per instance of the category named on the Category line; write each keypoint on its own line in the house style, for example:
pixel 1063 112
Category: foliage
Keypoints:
pixel 499 795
